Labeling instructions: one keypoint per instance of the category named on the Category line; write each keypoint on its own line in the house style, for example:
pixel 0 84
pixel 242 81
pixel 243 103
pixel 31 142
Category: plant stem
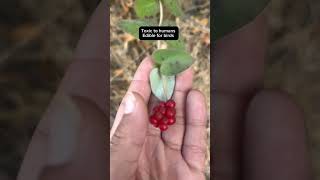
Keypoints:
pixel 160 21
pixel 164 79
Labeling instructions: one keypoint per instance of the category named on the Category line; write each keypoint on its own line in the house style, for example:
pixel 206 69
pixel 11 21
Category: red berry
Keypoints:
pixel 153 120
pixel 158 116
pixel 163 115
pixel 156 125
pixel 171 112
pixel 164 120
pixel 163 127
pixel 171 121
pixel 162 104
pixel 162 110
pixel 170 103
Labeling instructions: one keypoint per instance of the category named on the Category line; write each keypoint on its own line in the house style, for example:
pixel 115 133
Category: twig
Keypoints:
pixel 159 46
pixel 160 21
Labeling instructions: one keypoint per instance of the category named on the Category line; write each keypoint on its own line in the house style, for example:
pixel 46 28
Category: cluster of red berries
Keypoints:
pixel 163 115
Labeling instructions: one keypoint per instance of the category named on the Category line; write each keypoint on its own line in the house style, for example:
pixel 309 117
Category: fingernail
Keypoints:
pixel 129 103
pixel 64 118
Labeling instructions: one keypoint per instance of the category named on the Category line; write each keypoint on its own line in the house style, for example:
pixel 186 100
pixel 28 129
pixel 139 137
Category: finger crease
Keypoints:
pixel 197 123
pixel 180 120
pixel 137 143
pixel 152 134
pixel 196 148
pixel 116 139
pixel 173 146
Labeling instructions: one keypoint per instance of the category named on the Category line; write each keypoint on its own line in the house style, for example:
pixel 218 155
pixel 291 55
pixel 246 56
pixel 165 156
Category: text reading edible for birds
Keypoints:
pixel 158 33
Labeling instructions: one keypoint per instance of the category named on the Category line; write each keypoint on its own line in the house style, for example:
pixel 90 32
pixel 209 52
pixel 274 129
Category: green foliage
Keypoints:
pixel 172 61
pixel 168 62
pixel 230 15
pixel 176 44
pixel 162 86
pixel 145 8
pixel 174 6
pixel 161 55
pixel 132 26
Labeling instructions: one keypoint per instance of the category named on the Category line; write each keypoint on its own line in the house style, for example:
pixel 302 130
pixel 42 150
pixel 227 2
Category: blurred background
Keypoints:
pixel 37 38
pixel 293 62
pixel 126 52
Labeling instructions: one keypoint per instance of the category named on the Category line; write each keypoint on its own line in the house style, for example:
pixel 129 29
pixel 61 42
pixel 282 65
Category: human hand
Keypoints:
pixel 259 134
pixel 141 151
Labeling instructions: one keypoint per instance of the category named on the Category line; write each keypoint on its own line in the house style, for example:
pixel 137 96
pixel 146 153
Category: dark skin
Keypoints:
pixel 259 134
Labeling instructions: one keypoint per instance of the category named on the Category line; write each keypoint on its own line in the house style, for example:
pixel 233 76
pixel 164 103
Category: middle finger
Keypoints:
pixel 173 137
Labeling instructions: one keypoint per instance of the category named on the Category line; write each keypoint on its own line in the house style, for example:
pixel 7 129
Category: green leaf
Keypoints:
pixel 162 86
pixel 176 44
pixel 145 8
pixel 172 61
pixel 230 15
pixel 174 6
pixel 161 55
pixel 132 26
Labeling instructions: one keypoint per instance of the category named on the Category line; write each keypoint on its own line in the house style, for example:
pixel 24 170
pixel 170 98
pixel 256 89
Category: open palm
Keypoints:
pixel 140 151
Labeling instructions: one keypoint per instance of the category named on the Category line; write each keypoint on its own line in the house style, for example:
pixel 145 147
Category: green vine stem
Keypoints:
pixel 160 20
pixel 159 46
pixel 169 61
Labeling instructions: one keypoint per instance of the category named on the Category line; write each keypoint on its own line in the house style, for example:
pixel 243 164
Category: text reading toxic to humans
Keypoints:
pixel 158 33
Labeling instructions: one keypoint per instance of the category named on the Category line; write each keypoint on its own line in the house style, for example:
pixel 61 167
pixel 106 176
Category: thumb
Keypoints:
pixel 128 136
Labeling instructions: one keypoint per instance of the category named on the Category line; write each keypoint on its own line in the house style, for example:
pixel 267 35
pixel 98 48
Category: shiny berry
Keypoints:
pixel 162 110
pixel 163 115
pixel 171 112
pixel 153 120
pixel 156 125
pixel 162 104
pixel 164 120
pixel 163 127
pixel 158 116
pixel 170 103
pixel 171 121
